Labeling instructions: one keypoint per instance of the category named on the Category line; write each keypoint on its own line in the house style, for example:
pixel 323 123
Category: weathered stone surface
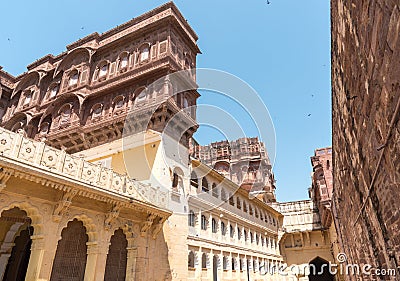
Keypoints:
pixel 366 131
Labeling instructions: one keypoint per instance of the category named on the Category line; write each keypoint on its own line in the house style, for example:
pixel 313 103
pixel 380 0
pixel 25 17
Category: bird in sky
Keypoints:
pixel 309 115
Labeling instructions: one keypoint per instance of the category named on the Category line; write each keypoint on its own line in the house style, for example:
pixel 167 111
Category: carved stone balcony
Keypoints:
pixel 16 148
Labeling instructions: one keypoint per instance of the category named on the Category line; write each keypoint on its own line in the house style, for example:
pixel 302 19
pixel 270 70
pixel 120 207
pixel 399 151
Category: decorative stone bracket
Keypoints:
pixel 111 216
pixel 4 177
pixel 63 205
pixel 158 227
pixel 147 224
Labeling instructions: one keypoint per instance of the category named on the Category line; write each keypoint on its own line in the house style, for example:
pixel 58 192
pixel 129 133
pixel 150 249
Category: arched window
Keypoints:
pixel 191 218
pixel 245 235
pixel 214 190
pixel 254 265
pixel 233 264
pixel 53 91
pixel 238 205
pixel 204 185
pixel 225 263
pixel 175 180
pixel 231 200
pixel 116 258
pixel 185 103
pixel 204 260
pixel 241 263
pixel 223 228
pixel 251 238
pixel 231 231
pixel 239 235
pixel 28 98
pixel 103 69
pixel 250 210
pixel 73 78
pixel 123 61
pixel 194 180
pixel 203 222
pixel 70 258
pixel 223 195
pixel 256 212
pixel 191 260
pixel 96 110
pixel 118 102
pixel 214 226
pixel 244 207
pixel 144 53
pixel 44 128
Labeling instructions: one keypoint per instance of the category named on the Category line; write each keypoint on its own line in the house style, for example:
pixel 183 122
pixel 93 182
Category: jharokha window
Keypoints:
pixel 103 70
pixel 27 98
pixel 123 62
pixel 144 53
pixel 44 128
pixel 73 78
pixel 53 91
pixel 96 110
pixel 65 113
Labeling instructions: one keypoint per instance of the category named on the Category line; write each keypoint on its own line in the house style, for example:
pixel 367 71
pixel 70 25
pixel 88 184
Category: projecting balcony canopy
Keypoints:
pixel 56 168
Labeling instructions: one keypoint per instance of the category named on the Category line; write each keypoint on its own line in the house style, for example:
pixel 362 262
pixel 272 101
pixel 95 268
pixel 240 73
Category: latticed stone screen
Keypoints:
pixel 70 260
pixel 116 258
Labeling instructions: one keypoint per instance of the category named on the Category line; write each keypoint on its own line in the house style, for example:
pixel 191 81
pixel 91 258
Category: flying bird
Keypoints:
pixel 268 2
pixel 309 115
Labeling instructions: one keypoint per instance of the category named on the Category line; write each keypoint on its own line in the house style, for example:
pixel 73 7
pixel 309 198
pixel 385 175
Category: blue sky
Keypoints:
pixel 281 49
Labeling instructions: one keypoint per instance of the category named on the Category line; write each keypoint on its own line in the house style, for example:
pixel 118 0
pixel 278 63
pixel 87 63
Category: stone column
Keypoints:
pixel 131 263
pixel 219 229
pixel 235 234
pixel 3 262
pixel 36 258
pixel 197 263
pixel 220 269
pixel 102 259
pixel 209 230
pixel 210 268
pixel 198 221
pixel 91 261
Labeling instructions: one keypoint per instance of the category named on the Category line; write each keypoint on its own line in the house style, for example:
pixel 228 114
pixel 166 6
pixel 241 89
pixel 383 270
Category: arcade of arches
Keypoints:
pixel 70 257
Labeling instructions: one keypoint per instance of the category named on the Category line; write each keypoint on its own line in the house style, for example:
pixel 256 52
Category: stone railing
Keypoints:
pixel 16 147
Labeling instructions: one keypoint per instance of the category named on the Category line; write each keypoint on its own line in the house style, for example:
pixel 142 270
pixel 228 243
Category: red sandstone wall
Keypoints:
pixel 366 129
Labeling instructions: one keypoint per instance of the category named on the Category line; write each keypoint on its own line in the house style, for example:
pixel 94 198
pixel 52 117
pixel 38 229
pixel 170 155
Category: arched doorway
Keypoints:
pixel 215 268
pixel 16 232
pixel 116 257
pixel 319 270
pixel 70 259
